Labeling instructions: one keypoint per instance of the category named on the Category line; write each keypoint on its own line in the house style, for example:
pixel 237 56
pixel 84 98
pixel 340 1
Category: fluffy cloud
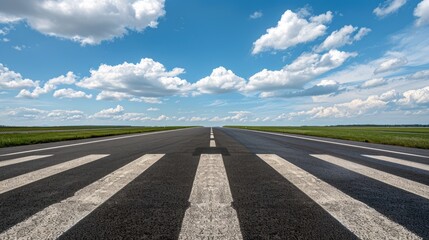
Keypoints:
pixel 342 37
pixel 422 13
pixel 153 109
pixel 220 80
pixel 84 21
pixel 12 80
pixel 376 82
pixel 256 15
pixel 291 30
pixel 109 112
pixel 353 108
pixel 411 100
pixel 63 115
pixel 322 88
pixel 24 113
pixel 71 93
pixel 304 69
pixel 49 86
pixel 415 97
pixel 388 7
pixel 146 79
pixel 118 113
pixel 390 64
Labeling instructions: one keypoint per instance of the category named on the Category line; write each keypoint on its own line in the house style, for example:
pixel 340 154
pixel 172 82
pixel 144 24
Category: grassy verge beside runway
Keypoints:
pixel 15 136
pixel 416 137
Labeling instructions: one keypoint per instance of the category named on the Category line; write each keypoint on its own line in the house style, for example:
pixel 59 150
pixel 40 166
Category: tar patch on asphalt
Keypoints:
pixel 211 150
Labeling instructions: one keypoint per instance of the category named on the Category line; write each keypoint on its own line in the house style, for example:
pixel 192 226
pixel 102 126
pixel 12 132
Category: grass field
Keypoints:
pixel 417 137
pixel 15 136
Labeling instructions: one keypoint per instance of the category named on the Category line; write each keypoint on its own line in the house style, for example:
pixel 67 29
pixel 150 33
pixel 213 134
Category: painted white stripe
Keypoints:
pixel 364 221
pixel 91 142
pixel 210 215
pixel 387 178
pixel 27 178
pixel 400 161
pixel 338 143
pixel 212 143
pixel 211 136
pixel 22 159
pixel 56 219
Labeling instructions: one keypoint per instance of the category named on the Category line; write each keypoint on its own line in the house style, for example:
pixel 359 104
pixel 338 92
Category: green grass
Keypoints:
pixel 56 128
pixel 24 136
pixel 416 137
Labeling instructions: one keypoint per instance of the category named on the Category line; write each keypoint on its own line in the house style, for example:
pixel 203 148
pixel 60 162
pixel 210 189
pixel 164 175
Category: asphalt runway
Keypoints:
pixel 219 183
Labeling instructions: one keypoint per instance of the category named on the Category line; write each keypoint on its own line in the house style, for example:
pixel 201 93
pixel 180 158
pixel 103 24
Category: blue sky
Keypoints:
pixel 155 62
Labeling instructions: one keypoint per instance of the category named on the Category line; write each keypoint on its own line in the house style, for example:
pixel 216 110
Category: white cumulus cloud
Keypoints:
pixel 220 80
pixel 416 97
pixel 304 69
pixel 291 30
pixel 353 108
pixel 256 15
pixel 375 82
pixel 388 7
pixel 49 86
pixel 146 79
pixel 24 113
pixel 390 64
pixel 12 80
pixel 84 21
pixel 342 37
pixel 71 93
pixel 109 112
pixel 422 13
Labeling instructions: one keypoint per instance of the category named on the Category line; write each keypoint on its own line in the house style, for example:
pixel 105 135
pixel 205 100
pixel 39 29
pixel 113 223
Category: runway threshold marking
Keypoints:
pixel 27 178
pixel 210 215
pixel 407 163
pixel 22 159
pixel 387 178
pixel 338 143
pixel 362 220
pixel 56 219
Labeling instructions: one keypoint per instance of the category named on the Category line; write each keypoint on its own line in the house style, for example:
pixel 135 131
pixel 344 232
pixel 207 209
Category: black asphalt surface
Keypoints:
pixel 268 206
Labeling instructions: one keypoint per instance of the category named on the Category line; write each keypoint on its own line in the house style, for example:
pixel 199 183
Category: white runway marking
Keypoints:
pixel 400 161
pixel 359 218
pixel 22 159
pixel 210 215
pixel 90 142
pixel 27 178
pixel 211 136
pixel 387 178
pixel 56 219
pixel 338 143
pixel 212 143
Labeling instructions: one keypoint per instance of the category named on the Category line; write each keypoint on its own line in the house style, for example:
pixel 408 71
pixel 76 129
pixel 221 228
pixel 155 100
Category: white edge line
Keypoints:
pixel 337 143
pixel 95 141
